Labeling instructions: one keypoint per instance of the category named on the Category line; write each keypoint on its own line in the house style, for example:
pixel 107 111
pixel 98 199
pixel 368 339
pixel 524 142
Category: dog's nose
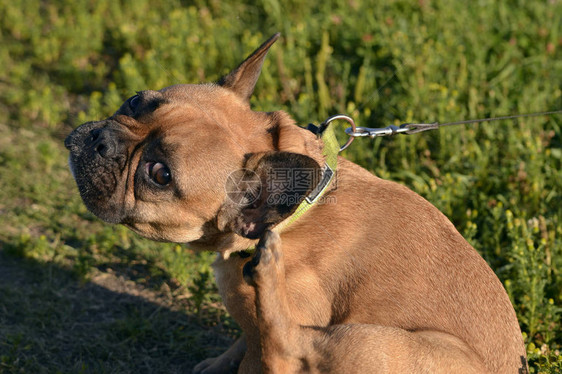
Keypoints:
pixel 102 143
pixel 68 142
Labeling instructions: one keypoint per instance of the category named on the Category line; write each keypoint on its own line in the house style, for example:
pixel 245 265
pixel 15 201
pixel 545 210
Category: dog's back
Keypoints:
pixel 400 262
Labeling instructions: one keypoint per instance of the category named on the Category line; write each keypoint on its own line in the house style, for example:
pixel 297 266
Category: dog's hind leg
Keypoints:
pixel 279 334
pixel 287 347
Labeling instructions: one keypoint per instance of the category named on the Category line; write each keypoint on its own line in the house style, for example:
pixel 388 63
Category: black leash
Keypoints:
pixel 414 128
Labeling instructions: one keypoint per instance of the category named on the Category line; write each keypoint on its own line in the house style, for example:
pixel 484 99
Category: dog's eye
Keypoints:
pixel 134 102
pixel 159 173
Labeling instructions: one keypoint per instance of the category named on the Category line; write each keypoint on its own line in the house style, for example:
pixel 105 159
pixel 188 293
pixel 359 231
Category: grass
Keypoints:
pixel 78 295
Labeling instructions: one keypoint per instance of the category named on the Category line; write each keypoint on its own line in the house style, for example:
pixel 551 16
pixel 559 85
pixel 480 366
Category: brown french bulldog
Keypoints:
pixel 376 280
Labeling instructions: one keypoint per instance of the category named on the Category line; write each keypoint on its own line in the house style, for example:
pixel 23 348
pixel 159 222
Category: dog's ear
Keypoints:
pixel 266 191
pixel 242 80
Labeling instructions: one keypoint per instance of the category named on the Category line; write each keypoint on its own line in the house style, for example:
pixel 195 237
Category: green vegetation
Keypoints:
pixel 80 296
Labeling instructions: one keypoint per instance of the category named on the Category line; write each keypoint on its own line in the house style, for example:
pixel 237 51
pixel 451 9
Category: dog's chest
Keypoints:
pixel 237 295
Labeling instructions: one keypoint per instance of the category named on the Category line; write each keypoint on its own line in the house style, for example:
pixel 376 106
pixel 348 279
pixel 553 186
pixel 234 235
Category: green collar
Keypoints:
pixel 330 152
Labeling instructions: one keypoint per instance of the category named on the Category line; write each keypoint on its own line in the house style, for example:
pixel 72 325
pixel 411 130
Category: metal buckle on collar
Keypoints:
pixel 327 174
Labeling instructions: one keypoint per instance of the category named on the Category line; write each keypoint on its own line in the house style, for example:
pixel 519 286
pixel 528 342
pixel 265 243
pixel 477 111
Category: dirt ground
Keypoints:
pixel 52 322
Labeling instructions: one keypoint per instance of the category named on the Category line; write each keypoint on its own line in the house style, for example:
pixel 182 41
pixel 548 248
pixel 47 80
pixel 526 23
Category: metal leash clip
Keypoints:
pixel 361 132
pixel 376 132
pixel 405 128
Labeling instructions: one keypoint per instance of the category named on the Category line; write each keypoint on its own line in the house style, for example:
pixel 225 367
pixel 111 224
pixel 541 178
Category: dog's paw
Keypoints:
pixel 215 365
pixel 267 254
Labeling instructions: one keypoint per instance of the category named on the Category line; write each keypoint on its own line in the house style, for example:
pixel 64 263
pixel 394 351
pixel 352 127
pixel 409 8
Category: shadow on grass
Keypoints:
pixel 52 322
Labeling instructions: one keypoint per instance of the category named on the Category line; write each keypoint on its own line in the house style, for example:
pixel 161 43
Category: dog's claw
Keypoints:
pixel 268 239
pixel 215 365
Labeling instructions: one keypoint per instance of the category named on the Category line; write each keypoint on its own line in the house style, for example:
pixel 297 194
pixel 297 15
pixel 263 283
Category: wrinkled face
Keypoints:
pixel 160 163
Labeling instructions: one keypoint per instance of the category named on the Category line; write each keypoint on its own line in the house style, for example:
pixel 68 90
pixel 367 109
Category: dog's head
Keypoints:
pixel 161 164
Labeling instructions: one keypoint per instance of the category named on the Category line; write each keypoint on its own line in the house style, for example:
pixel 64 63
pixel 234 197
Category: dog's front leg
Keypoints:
pixel 228 362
